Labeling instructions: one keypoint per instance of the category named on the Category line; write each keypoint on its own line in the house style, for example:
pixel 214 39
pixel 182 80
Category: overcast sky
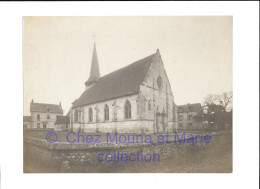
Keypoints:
pixel 57 52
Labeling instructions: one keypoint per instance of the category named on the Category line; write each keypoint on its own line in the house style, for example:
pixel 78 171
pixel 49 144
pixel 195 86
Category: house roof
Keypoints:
pixel 122 82
pixel 46 108
pixel 185 108
pixel 62 120
pixel 27 118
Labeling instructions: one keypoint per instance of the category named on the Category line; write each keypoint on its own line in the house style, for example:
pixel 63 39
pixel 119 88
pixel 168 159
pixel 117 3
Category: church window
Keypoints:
pixel 106 112
pixel 173 112
pixel 76 116
pixel 90 115
pixel 79 117
pixel 82 116
pixel 149 105
pixel 127 109
pixel 159 82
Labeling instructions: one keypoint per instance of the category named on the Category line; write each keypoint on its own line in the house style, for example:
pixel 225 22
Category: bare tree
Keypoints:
pixel 215 109
pixel 210 99
pixel 225 99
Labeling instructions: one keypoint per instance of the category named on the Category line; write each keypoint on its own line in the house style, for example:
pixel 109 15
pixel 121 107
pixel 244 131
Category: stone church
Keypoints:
pixel 134 99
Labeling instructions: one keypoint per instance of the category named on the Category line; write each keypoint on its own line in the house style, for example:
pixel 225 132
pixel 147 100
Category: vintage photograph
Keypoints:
pixel 140 94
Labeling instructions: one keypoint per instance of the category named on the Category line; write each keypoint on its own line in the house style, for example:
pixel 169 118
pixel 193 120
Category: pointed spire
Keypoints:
pixel 94 72
pixel 158 52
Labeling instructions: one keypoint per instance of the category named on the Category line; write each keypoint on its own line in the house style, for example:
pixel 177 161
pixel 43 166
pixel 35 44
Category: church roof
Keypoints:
pixel 46 108
pixel 122 82
pixel 62 120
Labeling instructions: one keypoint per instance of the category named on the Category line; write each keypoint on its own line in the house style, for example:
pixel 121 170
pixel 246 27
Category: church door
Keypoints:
pixel 163 122
pixel 159 123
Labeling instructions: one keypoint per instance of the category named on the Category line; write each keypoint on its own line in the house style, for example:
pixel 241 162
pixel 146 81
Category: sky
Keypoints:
pixel 57 52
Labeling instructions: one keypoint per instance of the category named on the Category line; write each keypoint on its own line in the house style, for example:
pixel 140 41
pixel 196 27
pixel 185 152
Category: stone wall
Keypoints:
pixel 61 127
pixel 65 157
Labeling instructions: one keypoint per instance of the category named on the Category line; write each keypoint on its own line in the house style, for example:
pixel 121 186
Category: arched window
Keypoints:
pixel 106 112
pixel 90 115
pixel 159 82
pixel 163 112
pixel 127 109
pixel 76 116
pixel 79 119
pixel 149 105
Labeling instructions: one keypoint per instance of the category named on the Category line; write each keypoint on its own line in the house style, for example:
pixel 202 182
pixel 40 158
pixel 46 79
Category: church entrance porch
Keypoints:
pixel 160 122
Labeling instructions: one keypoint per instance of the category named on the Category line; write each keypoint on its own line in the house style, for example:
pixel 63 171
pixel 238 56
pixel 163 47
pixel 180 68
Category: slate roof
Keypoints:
pixel 27 118
pixel 122 82
pixel 185 108
pixel 43 108
pixel 62 120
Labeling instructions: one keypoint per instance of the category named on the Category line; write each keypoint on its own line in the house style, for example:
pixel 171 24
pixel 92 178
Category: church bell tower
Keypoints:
pixel 94 71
